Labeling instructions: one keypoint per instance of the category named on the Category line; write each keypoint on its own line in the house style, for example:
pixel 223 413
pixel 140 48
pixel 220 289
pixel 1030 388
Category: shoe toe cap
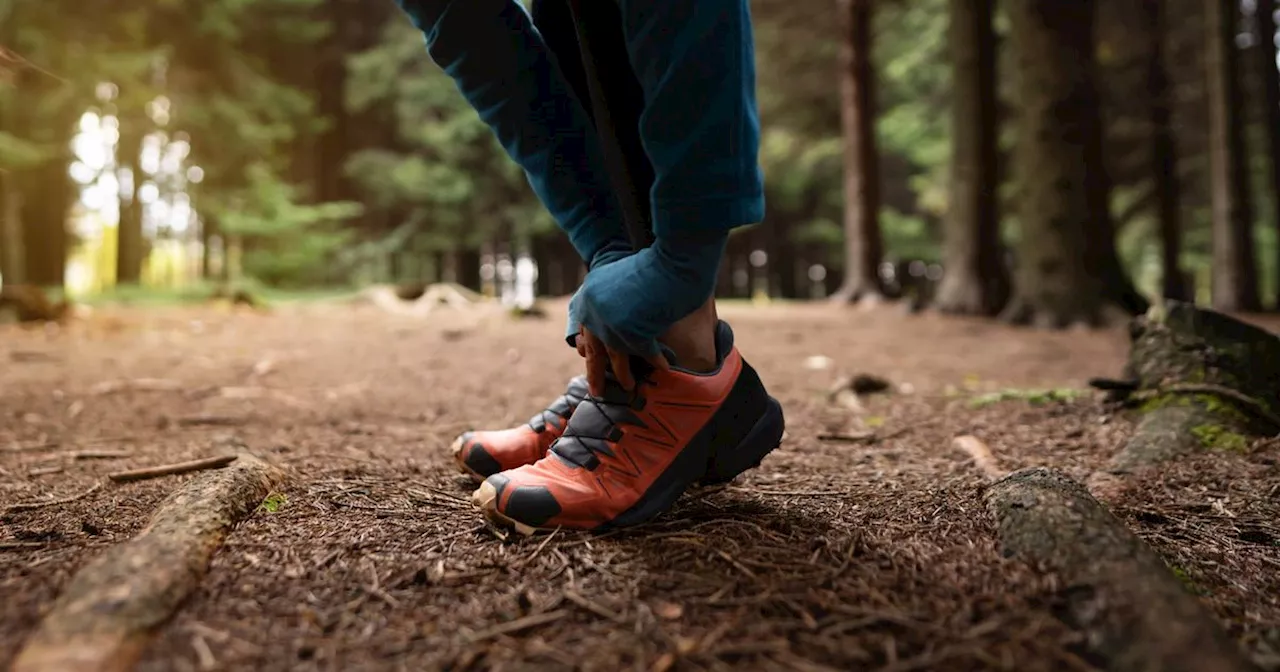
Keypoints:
pixel 532 505
pixel 477 458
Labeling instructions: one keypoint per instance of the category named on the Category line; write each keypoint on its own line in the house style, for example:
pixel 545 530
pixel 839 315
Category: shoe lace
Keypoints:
pixel 598 422
pixel 558 411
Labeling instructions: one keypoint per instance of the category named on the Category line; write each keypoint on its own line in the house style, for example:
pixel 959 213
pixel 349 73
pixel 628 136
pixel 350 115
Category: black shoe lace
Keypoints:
pixel 598 422
pixel 559 410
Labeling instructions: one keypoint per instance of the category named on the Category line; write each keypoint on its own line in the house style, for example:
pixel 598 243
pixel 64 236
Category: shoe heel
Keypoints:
pixel 726 464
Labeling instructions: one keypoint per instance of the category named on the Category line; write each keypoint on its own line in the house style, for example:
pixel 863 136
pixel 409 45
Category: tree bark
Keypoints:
pixel 1267 53
pixel 1067 268
pixel 48 195
pixel 1235 272
pixel 1164 153
pixel 11 248
pixel 975 280
pixel 110 609
pixel 129 249
pixel 863 244
pixel 1132 611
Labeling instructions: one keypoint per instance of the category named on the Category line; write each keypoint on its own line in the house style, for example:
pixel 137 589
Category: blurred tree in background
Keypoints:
pixel 1042 159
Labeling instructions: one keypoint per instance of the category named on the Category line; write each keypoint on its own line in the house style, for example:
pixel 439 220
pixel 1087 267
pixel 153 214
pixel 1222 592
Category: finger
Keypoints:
pixel 659 362
pixel 580 342
pixel 622 370
pixel 596 363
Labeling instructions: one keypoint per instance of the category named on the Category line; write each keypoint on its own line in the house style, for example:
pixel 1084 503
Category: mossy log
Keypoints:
pixel 1135 614
pixel 106 615
pixel 1204 381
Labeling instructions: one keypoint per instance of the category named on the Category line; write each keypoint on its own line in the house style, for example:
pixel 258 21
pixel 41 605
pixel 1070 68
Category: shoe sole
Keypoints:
pixel 722 468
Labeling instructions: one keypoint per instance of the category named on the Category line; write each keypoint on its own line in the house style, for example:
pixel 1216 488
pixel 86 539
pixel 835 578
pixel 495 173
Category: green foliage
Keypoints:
pixel 1033 397
pixel 447 175
pixel 286 243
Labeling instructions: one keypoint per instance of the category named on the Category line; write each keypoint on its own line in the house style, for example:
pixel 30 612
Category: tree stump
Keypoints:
pixel 1204 381
pixel 1134 613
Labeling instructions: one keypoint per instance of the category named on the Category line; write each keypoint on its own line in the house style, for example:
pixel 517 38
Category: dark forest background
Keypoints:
pixel 1051 162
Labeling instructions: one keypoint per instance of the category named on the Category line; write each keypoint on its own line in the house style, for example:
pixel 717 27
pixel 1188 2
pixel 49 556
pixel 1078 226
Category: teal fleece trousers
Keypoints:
pixel 695 62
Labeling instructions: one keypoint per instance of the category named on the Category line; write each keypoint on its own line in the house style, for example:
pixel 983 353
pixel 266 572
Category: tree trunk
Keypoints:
pixel 1267 52
pixel 11 250
pixel 975 281
pixel 1235 272
pixel 1164 153
pixel 468 267
pixel 129 250
pixel 1067 268
pixel 47 197
pixel 863 245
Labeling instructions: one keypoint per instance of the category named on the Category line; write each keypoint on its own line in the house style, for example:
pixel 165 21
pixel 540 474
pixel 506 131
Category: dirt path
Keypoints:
pixel 833 555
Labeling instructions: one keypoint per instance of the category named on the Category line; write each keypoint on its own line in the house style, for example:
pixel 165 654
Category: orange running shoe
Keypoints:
pixel 626 457
pixel 483 454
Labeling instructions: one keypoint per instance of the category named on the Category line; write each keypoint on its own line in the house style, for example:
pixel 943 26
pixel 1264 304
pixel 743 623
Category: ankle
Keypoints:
pixel 693 339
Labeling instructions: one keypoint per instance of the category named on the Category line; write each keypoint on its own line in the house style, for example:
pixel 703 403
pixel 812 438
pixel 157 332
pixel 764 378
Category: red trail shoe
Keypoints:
pixel 483 454
pixel 626 457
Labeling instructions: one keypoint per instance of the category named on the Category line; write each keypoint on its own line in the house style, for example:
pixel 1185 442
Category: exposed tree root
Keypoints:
pixel 1135 614
pixel 105 616
pixel 29 303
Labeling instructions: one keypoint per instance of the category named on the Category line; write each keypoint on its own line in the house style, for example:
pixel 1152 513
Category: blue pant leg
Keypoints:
pixel 695 60
pixel 505 71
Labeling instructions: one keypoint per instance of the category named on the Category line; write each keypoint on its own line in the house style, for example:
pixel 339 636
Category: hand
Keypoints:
pixel 601 358
pixel 625 305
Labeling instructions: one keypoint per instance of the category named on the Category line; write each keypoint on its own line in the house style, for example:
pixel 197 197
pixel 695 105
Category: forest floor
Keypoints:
pixel 870 554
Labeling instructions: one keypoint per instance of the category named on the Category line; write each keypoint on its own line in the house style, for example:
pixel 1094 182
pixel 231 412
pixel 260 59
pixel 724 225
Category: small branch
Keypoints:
pixel 593 607
pixel 19 545
pixel 136 385
pixel 31 506
pixel 100 454
pixel 981 455
pixel 171 469
pixel 519 624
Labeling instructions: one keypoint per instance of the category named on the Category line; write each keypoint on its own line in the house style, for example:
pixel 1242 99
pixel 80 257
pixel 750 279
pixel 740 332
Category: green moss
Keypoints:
pixel 1220 438
pixel 1184 577
pixel 1209 402
pixel 1033 397
pixel 273 502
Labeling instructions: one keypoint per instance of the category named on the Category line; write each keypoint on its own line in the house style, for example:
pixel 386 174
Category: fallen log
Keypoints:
pixel 1135 614
pixel 106 615
pixel 1203 381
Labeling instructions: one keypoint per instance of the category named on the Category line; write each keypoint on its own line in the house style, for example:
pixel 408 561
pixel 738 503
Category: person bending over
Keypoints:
pixel 667 400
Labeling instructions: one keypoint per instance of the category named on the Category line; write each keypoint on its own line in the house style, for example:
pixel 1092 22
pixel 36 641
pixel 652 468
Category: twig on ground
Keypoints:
pixel 593 607
pixel 861 437
pixel 210 421
pixel 171 469
pixel 100 454
pixel 250 393
pixel 981 455
pixel 511 627
pixel 136 385
pixel 31 506
pixel 524 561
pixel 19 545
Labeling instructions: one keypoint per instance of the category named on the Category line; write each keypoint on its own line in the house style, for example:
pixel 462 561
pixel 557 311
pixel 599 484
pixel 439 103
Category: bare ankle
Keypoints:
pixel 693 339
